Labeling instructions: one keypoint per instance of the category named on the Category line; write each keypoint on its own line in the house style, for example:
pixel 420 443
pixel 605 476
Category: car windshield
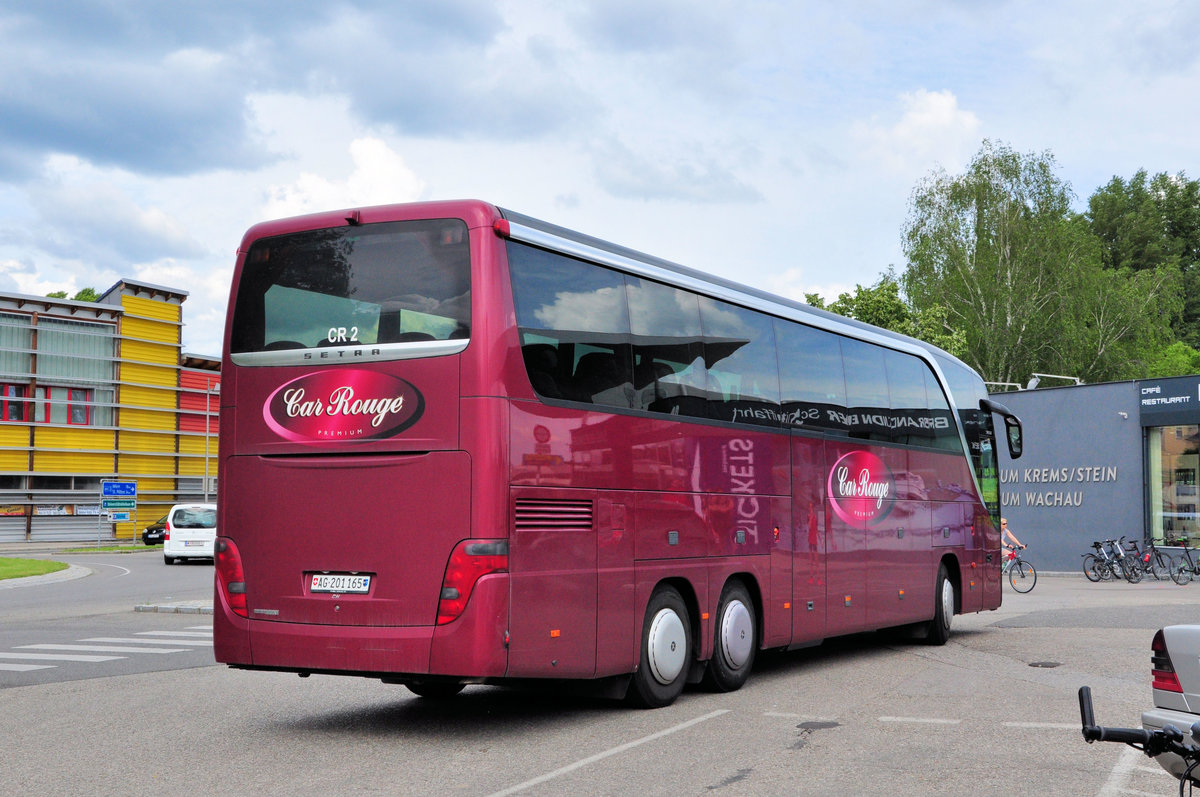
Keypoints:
pixel 195 518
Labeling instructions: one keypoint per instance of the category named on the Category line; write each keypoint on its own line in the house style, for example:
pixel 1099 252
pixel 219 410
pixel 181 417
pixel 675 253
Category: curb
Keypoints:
pixel 72 572
pixel 179 607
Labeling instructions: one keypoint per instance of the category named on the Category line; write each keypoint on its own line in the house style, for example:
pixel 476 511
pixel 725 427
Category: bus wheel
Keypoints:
pixel 943 613
pixel 435 690
pixel 666 651
pixel 735 640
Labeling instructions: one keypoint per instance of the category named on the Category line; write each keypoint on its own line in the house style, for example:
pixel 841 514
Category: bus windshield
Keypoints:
pixel 357 285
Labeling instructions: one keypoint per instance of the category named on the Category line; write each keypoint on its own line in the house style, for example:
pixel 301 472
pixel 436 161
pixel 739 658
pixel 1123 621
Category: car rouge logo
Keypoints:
pixel 343 405
pixel 862 489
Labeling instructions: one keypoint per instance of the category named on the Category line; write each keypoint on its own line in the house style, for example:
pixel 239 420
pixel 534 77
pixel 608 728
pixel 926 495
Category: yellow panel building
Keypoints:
pixel 101 391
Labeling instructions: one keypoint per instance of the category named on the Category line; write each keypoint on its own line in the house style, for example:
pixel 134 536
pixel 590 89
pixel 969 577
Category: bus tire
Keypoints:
pixel 938 629
pixel 735 640
pixel 666 651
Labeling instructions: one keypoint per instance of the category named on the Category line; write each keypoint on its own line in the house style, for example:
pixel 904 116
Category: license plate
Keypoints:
pixel 342 583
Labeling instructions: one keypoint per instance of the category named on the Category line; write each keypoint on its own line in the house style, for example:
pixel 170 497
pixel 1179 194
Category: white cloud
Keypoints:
pixel 793 284
pixel 380 176
pixel 932 129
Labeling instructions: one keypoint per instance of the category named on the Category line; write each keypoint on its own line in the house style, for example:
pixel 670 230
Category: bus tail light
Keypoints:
pixel 230 577
pixel 469 560
pixel 1161 669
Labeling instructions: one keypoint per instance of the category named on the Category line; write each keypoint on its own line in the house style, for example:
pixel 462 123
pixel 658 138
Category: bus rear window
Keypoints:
pixel 392 282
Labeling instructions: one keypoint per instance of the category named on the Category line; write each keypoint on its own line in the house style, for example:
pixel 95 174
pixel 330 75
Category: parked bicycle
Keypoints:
pixel 1151 742
pixel 1156 562
pixel 1021 574
pixel 1185 567
pixel 1111 561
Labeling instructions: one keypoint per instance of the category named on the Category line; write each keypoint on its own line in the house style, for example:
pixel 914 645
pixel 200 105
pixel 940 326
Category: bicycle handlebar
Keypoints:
pixel 1152 743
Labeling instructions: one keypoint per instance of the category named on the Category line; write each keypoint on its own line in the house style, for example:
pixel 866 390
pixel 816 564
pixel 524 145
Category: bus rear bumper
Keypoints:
pixel 472 646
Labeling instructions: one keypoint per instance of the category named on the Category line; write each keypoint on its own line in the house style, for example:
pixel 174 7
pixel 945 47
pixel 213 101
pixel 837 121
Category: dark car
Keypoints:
pixel 153 534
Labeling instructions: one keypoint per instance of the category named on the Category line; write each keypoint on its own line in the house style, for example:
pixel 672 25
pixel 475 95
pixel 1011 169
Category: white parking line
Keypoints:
pixel 56 657
pixel 102 649
pixel 606 754
pixel 5 667
pixel 921 720
pixel 1119 777
pixel 789 716
pixel 176 633
pixel 131 640
pixel 1053 726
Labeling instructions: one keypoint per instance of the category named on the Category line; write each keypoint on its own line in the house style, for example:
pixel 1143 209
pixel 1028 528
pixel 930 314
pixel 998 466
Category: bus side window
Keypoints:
pixel 812 383
pixel 541 360
pixel 665 323
pixel 576 309
pixel 743 369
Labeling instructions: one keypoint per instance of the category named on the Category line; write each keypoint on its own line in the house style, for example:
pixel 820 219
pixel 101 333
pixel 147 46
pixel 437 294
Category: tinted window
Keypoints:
pixel 812 385
pixel 909 407
pixel 866 390
pixel 945 431
pixel 574 327
pixel 669 370
pixel 743 375
pixel 967 389
pixel 347 286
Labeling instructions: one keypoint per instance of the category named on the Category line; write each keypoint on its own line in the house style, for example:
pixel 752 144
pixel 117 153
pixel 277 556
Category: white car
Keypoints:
pixel 1175 668
pixel 191 532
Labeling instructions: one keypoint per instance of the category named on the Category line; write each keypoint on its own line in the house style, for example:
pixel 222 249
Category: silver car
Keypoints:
pixel 1175 669
pixel 190 533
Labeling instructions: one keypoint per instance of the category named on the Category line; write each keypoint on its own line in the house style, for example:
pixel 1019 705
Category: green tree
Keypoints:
pixel 1021 275
pixel 85 295
pixel 1178 359
pixel 882 305
pixel 1147 223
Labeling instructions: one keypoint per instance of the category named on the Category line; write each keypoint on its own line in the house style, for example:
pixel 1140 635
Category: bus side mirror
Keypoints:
pixel 1012 425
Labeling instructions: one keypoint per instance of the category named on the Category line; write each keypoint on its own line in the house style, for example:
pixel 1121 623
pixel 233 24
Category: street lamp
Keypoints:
pixel 210 389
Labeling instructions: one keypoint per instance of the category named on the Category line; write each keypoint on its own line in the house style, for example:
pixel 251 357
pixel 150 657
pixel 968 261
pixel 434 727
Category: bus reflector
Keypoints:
pixel 502 228
pixel 230 576
pixel 470 560
pixel 555 633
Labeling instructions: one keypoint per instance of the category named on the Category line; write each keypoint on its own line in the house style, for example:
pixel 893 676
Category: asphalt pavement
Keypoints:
pixel 41 550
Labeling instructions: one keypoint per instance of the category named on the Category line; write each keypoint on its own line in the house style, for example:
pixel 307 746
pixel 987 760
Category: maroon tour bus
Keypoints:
pixel 460 445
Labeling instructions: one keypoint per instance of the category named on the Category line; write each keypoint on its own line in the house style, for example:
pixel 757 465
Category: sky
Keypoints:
pixel 774 143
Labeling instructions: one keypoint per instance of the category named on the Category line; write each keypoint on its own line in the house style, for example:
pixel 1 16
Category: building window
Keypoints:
pixel 12 402
pixel 69 405
pixel 1174 462
pixel 50 482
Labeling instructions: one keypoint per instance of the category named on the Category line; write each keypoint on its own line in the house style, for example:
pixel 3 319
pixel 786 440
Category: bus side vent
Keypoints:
pixel 548 514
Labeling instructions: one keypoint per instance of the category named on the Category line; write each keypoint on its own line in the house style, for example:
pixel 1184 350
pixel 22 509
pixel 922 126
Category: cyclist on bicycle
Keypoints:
pixel 1005 546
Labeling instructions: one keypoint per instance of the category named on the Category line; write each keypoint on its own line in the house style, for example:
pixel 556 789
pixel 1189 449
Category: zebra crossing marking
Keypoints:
pixel 192 638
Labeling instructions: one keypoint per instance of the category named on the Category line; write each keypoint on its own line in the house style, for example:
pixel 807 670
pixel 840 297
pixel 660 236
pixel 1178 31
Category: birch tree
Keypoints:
pixel 1020 274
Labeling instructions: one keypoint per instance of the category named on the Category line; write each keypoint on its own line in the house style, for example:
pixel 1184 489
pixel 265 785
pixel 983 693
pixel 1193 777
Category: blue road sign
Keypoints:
pixel 115 489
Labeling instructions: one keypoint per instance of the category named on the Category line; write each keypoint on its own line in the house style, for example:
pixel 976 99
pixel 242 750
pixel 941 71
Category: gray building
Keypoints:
pixel 1103 461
